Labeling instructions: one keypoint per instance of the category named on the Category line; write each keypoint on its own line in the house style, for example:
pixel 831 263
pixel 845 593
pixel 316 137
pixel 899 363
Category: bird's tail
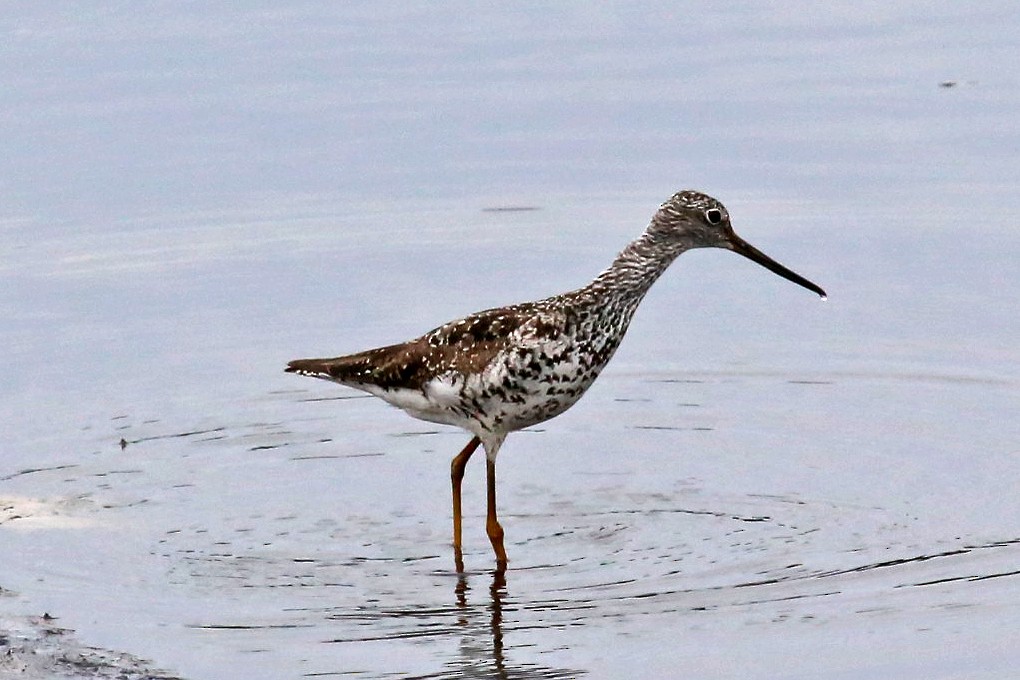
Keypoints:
pixel 352 369
pixel 392 366
pixel 327 369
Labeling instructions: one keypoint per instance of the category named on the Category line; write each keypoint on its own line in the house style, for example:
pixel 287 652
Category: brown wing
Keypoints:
pixel 464 346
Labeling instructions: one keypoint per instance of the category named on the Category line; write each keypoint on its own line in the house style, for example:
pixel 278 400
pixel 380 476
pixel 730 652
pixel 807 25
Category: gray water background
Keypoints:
pixel 761 485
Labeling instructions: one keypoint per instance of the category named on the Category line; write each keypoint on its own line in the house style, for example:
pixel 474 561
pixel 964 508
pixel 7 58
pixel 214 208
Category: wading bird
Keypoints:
pixel 508 368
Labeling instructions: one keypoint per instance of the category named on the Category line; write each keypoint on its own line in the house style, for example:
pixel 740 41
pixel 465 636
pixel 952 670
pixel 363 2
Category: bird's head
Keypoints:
pixel 691 219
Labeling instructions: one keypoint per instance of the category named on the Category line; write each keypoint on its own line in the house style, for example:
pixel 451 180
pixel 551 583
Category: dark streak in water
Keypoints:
pixel 774 497
pixel 884 564
pixel 656 511
pixel 332 456
pixel 266 447
pixel 32 471
pixel 344 397
pixel 892 563
pixel 241 626
pixel 118 472
pixel 970 578
pixel 132 504
pixel 177 435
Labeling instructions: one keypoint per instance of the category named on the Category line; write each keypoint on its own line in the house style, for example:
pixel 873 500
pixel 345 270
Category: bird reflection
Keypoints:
pixel 477 623
pixel 470 648
pixel 482 652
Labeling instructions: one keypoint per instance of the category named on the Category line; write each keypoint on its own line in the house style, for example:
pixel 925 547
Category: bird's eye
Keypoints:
pixel 713 215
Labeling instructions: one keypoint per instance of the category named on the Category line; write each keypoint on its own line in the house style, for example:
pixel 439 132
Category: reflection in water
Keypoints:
pixel 482 646
pixel 482 635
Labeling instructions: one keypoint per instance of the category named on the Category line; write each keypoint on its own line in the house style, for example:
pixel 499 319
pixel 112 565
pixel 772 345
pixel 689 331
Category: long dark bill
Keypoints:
pixel 739 245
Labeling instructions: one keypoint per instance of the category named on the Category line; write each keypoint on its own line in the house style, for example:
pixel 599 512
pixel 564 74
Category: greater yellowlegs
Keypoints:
pixel 507 368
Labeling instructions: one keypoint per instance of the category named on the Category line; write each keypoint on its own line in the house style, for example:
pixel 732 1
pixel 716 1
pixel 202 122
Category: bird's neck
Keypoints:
pixel 608 303
pixel 637 267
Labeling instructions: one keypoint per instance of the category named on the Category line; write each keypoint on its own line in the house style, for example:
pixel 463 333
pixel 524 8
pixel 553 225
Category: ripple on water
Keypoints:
pixel 621 561
pixel 247 516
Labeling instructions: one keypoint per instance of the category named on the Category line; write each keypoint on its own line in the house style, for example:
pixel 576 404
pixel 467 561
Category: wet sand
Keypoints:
pixel 37 647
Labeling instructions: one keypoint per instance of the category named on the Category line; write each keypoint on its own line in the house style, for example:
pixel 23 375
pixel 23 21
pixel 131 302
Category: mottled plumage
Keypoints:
pixel 507 368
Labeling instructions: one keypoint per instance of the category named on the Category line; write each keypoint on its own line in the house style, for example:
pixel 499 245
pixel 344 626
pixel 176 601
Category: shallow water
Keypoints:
pixel 760 485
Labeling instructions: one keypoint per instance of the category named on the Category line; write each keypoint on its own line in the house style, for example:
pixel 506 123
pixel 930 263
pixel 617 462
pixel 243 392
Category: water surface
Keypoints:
pixel 760 485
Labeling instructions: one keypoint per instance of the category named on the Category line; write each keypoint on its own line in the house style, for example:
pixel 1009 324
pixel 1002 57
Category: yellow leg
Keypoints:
pixel 492 527
pixel 456 475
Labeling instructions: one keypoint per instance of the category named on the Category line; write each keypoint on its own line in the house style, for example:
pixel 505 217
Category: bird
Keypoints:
pixel 504 369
